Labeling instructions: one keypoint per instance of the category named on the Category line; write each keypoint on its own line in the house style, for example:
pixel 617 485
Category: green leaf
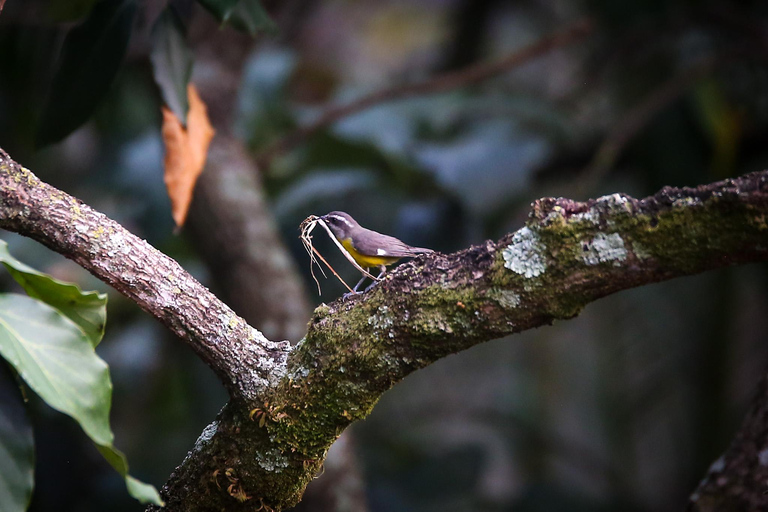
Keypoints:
pixel 87 309
pixel 55 358
pixel 142 492
pixel 90 58
pixel 17 447
pixel 249 16
pixel 171 62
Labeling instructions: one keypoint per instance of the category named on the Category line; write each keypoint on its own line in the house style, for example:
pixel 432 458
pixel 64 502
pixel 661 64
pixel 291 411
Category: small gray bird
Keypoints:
pixel 369 248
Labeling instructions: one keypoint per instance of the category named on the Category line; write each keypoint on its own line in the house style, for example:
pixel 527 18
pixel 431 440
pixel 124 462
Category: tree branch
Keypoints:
pixel 271 439
pixel 242 357
pixel 739 479
pixel 441 83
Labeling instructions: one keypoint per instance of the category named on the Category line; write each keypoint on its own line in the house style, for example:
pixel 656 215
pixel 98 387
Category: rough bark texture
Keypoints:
pixel 236 234
pixel 567 255
pixel 738 480
pixel 238 239
pixel 242 357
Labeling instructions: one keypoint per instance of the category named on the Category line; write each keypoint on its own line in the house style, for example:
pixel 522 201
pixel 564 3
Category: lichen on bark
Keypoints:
pixel 289 405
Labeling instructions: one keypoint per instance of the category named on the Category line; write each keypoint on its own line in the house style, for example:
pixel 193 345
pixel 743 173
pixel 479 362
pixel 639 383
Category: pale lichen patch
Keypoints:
pixel 271 460
pixel 604 248
pixel 640 251
pixel 205 437
pixel 525 255
pixel 686 202
pixel 590 216
pixel 506 298
pixel 381 319
pixel 614 200
pixel 555 216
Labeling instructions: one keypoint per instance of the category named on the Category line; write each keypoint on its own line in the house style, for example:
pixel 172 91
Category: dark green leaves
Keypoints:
pixel 87 309
pixel 171 62
pixel 53 356
pixel 16 446
pixel 90 58
pixel 49 338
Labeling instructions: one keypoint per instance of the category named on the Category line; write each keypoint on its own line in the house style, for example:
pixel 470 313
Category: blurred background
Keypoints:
pixel 623 408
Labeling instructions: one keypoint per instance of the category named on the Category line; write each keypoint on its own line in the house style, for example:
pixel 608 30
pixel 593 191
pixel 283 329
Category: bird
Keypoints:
pixel 367 247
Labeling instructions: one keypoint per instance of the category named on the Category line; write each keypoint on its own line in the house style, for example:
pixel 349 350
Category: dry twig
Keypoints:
pixel 306 227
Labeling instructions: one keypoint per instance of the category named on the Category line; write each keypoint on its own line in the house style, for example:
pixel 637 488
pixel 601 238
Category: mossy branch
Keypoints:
pixel 568 255
pixel 288 406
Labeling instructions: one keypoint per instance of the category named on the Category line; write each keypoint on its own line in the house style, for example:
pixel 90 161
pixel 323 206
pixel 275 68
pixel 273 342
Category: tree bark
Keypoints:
pixel 235 232
pixel 272 438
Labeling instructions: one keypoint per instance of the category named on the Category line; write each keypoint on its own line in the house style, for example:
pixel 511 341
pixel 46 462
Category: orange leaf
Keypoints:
pixel 185 153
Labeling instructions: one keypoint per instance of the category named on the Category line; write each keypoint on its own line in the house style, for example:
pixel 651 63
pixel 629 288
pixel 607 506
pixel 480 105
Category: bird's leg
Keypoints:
pixel 354 290
pixel 383 269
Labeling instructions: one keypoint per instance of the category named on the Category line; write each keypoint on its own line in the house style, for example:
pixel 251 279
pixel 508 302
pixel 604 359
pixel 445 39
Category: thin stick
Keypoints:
pixel 306 227
pixel 332 270
pixel 344 250
pixel 444 82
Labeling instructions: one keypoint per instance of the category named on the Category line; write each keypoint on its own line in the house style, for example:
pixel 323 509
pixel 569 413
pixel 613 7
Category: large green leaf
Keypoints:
pixel 17 449
pixel 57 361
pixel 90 58
pixel 87 309
pixel 55 358
pixel 171 62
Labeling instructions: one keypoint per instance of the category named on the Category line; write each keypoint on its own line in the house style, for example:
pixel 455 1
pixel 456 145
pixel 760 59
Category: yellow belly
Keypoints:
pixel 364 260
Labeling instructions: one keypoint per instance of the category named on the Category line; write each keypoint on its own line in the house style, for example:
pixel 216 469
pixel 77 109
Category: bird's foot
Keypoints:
pixel 350 294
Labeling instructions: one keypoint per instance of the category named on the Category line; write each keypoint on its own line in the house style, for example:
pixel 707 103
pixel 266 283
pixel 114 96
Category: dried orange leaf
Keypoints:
pixel 185 153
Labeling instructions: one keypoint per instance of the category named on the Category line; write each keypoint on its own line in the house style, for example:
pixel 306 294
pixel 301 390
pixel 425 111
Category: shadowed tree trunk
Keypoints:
pixel 234 231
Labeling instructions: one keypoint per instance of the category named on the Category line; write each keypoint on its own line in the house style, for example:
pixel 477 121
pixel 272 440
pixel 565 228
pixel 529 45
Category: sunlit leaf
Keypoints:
pixel 55 358
pixel 185 153
pixel 172 62
pixel 87 309
pixel 17 447
pixel 90 58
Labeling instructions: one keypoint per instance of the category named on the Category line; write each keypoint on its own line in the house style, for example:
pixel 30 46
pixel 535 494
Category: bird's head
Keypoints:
pixel 341 224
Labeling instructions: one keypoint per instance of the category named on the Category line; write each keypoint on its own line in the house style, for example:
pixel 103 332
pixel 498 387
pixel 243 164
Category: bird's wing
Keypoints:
pixel 377 244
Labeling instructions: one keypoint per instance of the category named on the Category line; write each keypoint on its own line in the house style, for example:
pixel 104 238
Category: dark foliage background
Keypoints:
pixel 623 408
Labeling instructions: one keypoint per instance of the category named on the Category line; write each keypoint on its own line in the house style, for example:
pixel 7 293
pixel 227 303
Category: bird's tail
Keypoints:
pixel 421 250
